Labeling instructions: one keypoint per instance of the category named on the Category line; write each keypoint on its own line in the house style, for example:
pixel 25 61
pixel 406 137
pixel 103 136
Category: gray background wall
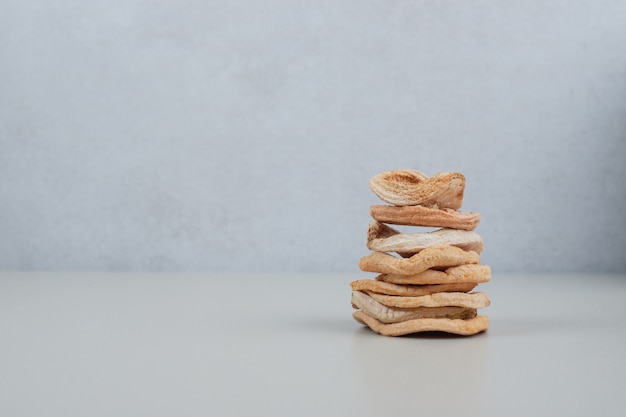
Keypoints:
pixel 241 135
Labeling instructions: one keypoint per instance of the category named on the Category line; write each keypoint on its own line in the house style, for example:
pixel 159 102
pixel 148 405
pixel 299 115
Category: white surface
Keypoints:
pixel 145 135
pixel 218 344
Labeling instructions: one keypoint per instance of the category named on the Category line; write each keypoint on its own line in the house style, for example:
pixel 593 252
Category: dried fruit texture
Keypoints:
pixel 386 314
pixel 428 217
pixel 408 290
pixel 383 238
pixel 412 188
pixel 442 299
pixel 456 326
pixel 462 273
pixel 433 257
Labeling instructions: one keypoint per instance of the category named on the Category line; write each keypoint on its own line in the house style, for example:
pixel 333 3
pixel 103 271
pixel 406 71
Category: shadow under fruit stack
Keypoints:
pixel 427 287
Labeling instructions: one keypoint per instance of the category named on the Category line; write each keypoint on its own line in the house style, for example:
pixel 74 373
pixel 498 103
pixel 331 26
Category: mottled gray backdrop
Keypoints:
pixel 241 135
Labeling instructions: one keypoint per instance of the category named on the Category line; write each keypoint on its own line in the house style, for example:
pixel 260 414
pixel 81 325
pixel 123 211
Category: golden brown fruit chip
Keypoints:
pixel 408 290
pixel 442 299
pixel 462 273
pixel 433 257
pixel 423 216
pixel 456 326
pixel 410 188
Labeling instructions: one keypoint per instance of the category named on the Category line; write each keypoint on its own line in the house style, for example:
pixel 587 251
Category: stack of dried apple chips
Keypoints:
pixel 427 285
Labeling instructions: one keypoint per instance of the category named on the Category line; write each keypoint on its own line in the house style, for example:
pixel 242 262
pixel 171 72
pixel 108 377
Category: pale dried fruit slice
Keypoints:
pixel 456 326
pixel 442 299
pixel 433 257
pixel 409 188
pixel 462 273
pixel 382 238
pixel 423 216
pixel 408 290
pixel 385 314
